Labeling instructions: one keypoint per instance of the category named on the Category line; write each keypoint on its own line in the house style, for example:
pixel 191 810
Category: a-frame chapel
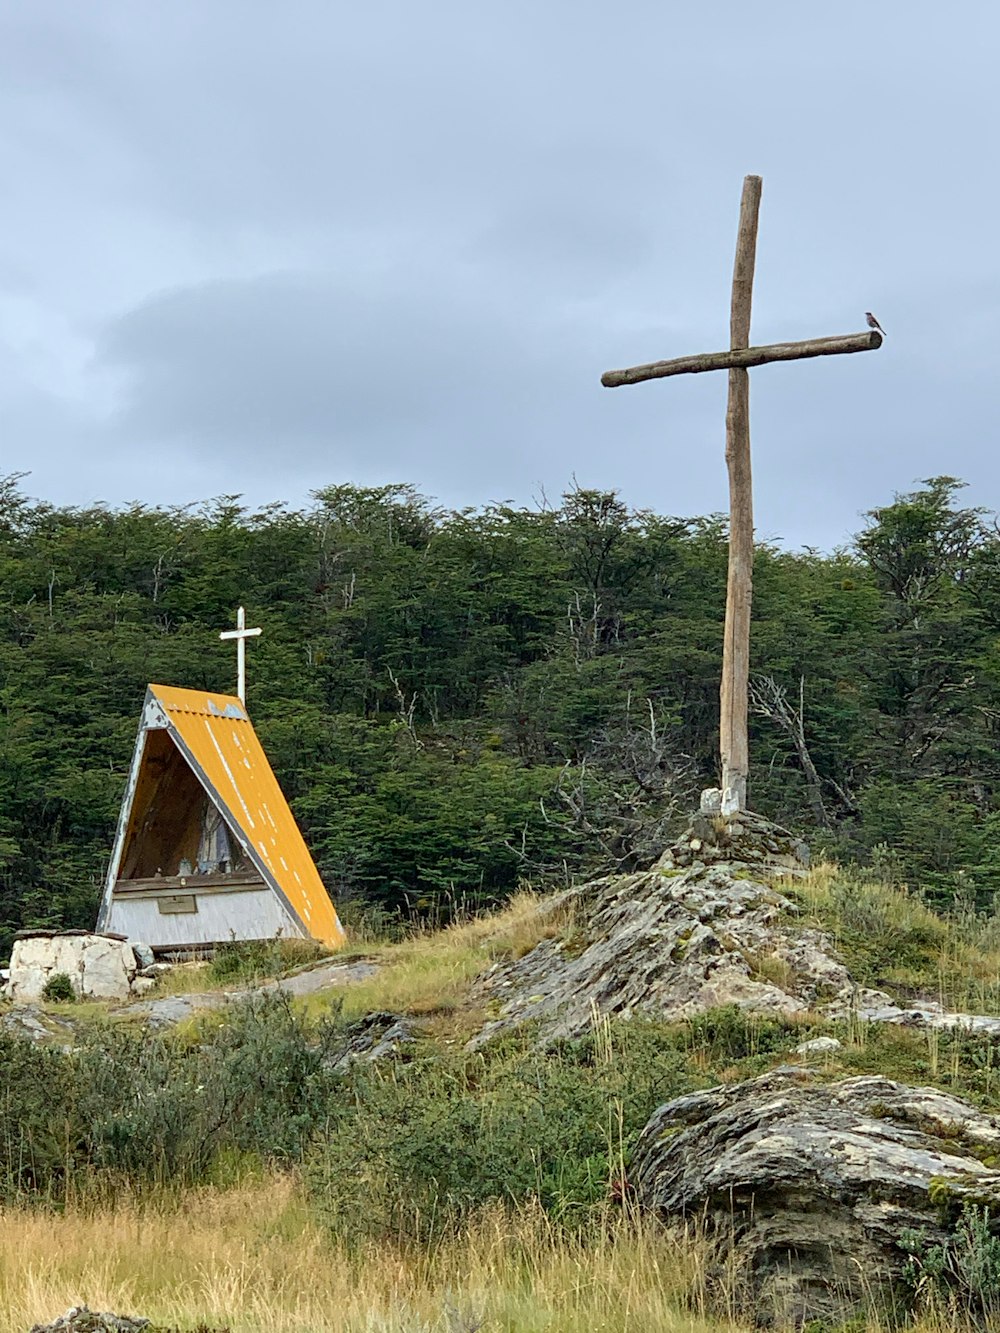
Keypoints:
pixel 207 850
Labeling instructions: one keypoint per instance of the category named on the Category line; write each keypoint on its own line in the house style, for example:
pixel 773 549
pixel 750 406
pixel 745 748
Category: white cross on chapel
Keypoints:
pixel 240 634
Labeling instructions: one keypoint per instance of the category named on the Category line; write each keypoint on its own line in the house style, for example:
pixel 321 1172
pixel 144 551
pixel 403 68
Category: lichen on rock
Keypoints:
pixel 807 1188
pixel 80 1319
pixel 691 933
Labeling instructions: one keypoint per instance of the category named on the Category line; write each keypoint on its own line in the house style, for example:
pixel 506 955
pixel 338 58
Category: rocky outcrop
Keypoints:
pixel 703 928
pixel 98 966
pixel 377 1036
pixel 317 977
pixel 744 839
pixel 810 1187
pixel 81 1320
pixel 698 930
pixel 875 1006
pixel 41 1026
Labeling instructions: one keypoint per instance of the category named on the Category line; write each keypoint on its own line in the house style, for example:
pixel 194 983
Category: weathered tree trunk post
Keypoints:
pixel 734 746
pixel 733 743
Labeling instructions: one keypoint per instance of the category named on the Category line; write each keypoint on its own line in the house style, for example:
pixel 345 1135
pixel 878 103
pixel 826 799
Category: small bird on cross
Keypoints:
pixel 873 323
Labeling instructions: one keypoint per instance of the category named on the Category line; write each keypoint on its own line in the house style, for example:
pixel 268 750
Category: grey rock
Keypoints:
pixel 146 979
pixel 144 955
pixel 81 1320
pixel 377 1036
pixel 819 1046
pixel 27 1021
pixel 808 1186
pixel 170 1009
pixel 155 970
pixel 99 966
pixel 322 976
pixel 742 838
pixel 874 1006
pixel 672 941
pixel 711 801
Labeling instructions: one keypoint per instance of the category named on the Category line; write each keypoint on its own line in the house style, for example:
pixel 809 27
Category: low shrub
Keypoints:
pixel 414 1150
pixel 36 1143
pixel 59 989
pixel 963 1271
pixel 159 1109
pixel 727 1034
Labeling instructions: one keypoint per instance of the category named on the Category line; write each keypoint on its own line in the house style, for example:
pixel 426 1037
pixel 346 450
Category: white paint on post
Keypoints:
pixel 241 634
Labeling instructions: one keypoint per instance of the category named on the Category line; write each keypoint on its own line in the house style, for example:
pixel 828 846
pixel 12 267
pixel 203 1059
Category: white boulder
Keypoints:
pixel 98 967
pixel 818 1046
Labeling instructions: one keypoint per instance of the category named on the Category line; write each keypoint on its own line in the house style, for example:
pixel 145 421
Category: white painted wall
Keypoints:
pixel 253 914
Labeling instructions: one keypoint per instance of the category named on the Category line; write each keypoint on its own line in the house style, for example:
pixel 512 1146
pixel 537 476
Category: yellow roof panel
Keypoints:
pixel 215 732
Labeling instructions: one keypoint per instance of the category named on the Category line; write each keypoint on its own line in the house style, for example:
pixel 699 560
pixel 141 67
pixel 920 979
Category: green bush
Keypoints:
pixel 723 1035
pixel 411 1150
pixel 966 1267
pixel 157 1109
pixel 257 1085
pixel 36 1141
pixel 59 989
pixel 403 1149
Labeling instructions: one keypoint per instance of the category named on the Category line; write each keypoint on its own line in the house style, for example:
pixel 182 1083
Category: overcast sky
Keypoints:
pixel 260 248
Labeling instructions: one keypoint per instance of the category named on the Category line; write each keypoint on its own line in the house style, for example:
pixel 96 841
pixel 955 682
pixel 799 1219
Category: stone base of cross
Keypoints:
pixel 733 741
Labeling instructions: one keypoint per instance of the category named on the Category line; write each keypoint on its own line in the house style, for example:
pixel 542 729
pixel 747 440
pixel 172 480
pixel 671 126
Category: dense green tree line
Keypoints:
pixel 455 701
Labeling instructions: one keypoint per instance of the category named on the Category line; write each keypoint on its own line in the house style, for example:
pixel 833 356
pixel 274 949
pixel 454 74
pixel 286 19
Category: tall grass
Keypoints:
pixel 250 1259
pixel 891 939
pixel 430 972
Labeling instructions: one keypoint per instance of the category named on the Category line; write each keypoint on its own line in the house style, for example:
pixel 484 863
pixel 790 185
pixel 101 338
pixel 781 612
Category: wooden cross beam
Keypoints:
pixel 745 357
pixel 733 742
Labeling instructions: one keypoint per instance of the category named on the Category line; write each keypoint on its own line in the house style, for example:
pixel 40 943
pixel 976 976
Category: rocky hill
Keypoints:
pixel 823 1192
pixel 801 1063
pixel 708 925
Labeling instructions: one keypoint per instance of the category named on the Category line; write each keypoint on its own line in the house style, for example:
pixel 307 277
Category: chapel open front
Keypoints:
pixel 176 833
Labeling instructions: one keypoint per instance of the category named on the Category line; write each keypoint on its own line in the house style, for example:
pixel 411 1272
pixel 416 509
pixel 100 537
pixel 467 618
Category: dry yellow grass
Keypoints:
pixel 431 972
pixel 251 1260
pixel 428 973
pixel 955 960
pixel 895 908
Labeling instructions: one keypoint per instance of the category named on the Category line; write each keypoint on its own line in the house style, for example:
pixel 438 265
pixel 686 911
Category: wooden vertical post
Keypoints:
pixel 733 742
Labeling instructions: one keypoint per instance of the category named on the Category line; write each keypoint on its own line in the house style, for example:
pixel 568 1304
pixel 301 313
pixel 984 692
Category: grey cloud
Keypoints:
pixel 331 376
pixel 292 244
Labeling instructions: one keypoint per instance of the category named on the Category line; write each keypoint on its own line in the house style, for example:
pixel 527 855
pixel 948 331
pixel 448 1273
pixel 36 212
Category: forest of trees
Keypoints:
pixel 455 702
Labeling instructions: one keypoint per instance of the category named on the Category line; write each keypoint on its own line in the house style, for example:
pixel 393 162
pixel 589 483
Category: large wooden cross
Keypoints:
pixel 733 743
